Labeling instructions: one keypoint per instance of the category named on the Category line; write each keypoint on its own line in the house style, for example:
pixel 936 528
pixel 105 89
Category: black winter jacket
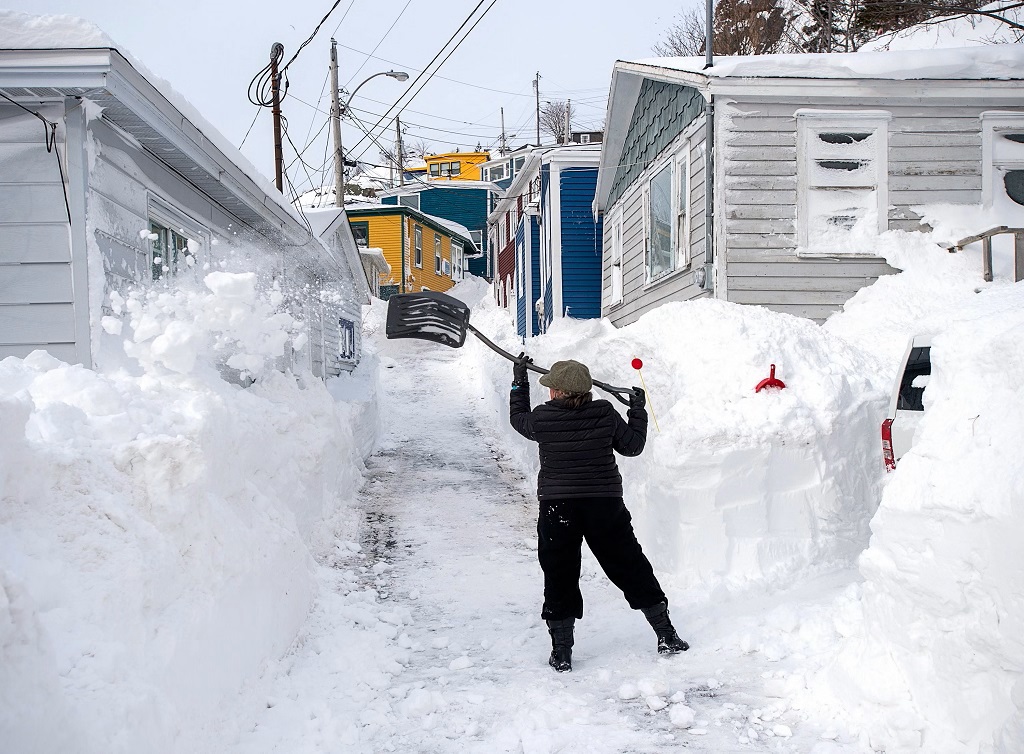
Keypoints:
pixel 576 445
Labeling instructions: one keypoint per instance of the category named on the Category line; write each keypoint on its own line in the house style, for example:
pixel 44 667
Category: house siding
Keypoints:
pixel 934 156
pixel 523 289
pixel 661 113
pixel 581 244
pixel 468 207
pixel 37 296
pixel 639 297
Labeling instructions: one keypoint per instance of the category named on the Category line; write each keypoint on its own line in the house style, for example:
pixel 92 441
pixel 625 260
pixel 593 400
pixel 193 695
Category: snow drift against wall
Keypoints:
pixel 156 520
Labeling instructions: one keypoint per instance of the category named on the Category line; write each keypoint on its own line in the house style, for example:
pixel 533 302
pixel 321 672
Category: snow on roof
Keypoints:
pixel 23 31
pixel 458 229
pixel 955 31
pixel 1004 61
pixel 417 185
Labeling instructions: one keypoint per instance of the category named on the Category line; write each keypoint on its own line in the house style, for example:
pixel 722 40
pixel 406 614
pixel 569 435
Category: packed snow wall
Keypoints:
pixel 157 520
pixel 735 487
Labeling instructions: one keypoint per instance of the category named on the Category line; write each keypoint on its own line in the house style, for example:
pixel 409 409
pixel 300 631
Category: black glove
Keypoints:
pixel 520 374
pixel 638 399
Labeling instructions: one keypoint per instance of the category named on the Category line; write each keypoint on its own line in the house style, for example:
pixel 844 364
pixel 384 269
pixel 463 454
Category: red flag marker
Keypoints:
pixel 638 365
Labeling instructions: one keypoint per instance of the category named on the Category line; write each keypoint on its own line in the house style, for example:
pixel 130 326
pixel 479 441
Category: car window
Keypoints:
pixel 911 397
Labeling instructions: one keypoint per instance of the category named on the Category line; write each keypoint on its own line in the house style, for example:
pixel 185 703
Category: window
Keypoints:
pixel 681 202
pixel 477 237
pixel 584 138
pixel 659 224
pixel 517 164
pixel 435 169
pixel 409 200
pixel 497 173
pixel 457 252
pixel 615 258
pixel 1003 163
pixel 454 168
pixel 437 254
pixel 417 245
pixel 361 231
pixel 842 177
pixel 346 339
pixel 168 250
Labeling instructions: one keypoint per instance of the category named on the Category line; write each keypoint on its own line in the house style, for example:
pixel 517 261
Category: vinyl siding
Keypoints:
pixel 522 289
pixel 934 156
pixel 581 244
pixel 639 296
pixel 37 296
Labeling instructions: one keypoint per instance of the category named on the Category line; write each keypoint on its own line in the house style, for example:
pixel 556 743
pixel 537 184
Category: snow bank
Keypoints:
pixel 935 661
pixel 156 518
pixel 737 487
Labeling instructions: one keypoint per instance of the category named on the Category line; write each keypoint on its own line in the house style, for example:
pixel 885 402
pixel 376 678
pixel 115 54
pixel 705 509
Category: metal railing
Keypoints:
pixel 986 250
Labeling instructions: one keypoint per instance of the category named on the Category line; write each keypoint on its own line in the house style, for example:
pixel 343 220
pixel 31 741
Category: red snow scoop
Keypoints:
pixel 769 381
pixel 438 317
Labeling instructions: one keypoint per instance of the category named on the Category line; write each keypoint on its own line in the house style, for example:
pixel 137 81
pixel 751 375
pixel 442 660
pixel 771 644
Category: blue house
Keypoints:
pixel 463 202
pixel 548 241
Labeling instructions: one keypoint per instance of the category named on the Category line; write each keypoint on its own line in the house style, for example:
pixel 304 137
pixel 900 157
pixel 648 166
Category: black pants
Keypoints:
pixel 607 526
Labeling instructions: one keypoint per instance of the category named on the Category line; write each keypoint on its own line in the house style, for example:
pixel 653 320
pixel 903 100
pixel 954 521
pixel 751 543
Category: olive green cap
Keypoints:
pixel 568 376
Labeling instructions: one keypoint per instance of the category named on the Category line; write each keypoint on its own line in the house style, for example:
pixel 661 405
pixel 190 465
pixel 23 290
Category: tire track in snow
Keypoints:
pixel 426 636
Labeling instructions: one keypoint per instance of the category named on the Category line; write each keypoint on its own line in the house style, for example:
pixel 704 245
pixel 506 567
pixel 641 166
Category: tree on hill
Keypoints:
pixel 556 119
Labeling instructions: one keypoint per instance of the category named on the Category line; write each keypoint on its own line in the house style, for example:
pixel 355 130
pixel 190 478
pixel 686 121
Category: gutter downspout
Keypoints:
pixel 709 148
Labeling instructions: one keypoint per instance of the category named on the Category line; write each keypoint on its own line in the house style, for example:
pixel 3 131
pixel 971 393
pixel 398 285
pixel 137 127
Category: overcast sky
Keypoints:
pixel 209 50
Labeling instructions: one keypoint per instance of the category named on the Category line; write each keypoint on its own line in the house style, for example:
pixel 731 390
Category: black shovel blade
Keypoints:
pixel 428 315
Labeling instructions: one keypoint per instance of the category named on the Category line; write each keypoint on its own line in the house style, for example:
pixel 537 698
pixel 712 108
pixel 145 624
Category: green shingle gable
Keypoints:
pixel 662 112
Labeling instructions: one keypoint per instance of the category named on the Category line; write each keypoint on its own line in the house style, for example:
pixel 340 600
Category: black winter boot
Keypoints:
pixel 561 644
pixel 668 640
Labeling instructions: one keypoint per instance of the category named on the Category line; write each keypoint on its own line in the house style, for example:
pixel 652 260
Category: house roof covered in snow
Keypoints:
pixel 360 209
pixel 44 57
pixel 993 73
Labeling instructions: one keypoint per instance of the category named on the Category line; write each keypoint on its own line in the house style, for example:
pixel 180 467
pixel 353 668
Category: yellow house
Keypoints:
pixel 426 253
pixel 455 166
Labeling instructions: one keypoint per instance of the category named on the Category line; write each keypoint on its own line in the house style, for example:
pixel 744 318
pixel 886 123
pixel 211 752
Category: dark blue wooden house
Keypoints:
pixel 549 258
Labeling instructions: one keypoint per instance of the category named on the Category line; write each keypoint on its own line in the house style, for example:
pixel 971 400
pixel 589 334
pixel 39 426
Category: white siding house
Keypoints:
pixel 764 180
pixel 93 154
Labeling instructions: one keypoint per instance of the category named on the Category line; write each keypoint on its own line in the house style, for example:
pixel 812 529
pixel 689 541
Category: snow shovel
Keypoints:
pixel 438 317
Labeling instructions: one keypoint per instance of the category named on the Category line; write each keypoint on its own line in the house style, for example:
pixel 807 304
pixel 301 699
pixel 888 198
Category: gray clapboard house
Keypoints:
pixel 108 178
pixel 813 156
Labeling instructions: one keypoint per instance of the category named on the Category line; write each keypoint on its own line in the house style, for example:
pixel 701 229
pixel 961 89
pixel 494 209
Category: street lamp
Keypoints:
pixel 337 111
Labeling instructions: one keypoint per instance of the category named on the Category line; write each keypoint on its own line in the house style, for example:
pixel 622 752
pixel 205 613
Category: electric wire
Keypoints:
pixel 50 137
pixel 412 91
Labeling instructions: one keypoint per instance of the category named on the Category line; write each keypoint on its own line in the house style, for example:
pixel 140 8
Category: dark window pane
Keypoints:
pixel 843 138
pixel 1019 138
pixel 1014 182
pixel 920 363
pixel 848 165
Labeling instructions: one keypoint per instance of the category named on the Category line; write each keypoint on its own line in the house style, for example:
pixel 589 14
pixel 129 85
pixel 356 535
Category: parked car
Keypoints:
pixel 907 404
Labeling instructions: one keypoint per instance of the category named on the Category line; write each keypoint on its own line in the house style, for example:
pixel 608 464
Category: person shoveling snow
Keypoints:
pixel 580 492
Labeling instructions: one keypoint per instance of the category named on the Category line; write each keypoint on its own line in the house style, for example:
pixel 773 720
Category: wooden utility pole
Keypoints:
pixel 399 157
pixel 339 155
pixel 276 53
pixel 502 150
pixel 536 91
pixel 568 121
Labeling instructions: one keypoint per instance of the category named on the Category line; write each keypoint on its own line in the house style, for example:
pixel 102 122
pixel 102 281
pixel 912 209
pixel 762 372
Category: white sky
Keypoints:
pixel 209 51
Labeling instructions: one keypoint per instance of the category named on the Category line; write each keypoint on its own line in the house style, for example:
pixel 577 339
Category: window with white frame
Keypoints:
pixel 417 244
pixel 842 178
pixel 457 253
pixel 1003 164
pixel 175 242
pixel 614 224
pixel 660 223
pixel 437 255
pixel 681 204
pixel 409 200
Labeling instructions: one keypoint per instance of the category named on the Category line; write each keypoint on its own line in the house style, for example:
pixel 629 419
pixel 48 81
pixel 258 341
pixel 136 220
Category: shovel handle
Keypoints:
pixel 618 392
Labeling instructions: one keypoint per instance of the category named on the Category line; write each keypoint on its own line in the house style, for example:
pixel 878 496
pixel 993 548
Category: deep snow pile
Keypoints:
pixel 737 487
pixel 921 651
pixel 156 519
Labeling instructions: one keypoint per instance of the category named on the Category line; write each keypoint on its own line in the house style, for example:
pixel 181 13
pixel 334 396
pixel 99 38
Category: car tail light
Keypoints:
pixel 887 454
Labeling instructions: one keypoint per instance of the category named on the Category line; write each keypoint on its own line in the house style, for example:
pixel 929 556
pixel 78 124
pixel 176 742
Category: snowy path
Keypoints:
pixel 427 637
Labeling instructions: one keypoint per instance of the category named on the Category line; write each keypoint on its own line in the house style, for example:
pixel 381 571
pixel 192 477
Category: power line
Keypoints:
pixel 398 104
pixel 310 38
pixel 379 43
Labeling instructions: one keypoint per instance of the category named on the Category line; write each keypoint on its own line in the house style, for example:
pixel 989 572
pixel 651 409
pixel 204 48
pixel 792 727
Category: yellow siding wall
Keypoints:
pixel 385 232
pixel 424 276
pixel 468 164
